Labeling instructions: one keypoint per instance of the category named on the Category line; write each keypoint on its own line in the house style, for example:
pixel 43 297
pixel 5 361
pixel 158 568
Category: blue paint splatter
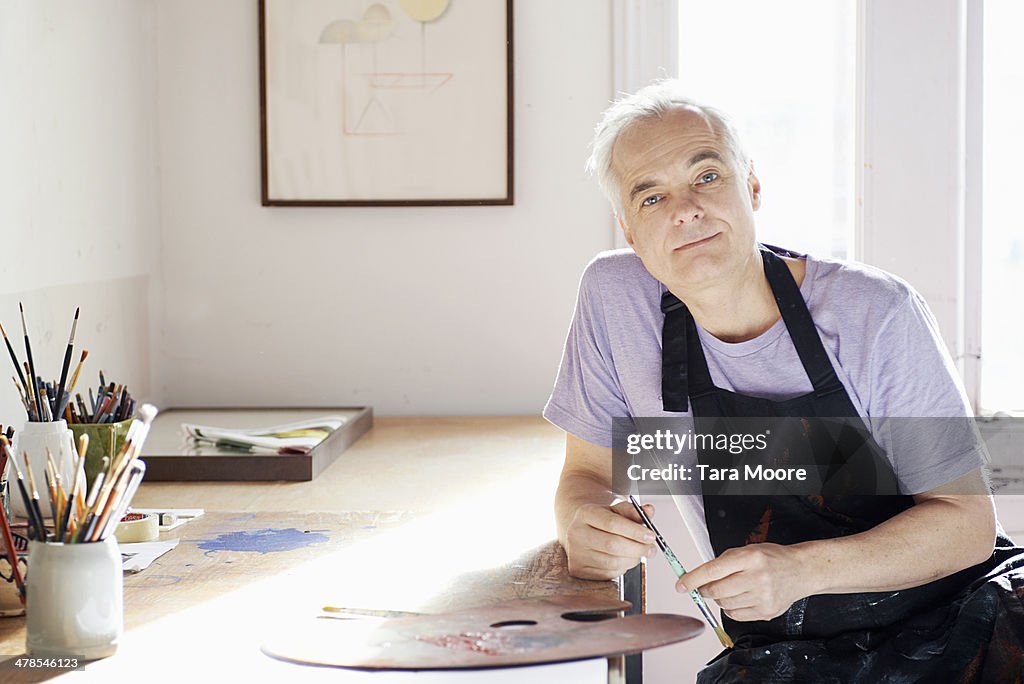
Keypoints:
pixel 268 540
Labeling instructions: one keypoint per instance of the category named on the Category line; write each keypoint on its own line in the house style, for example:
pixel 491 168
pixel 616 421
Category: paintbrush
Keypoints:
pixel 57 490
pixel 44 399
pixel 31 363
pixel 369 612
pixel 133 479
pixel 35 523
pixel 34 493
pixel 67 364
pixel 105 513
pixel 79 475
pixel 23 397
pixel 14 357
pixel 12 551
pixel 30 390
pixel 78 369
pixel 51 487
pixel 680 571
pixel 86 517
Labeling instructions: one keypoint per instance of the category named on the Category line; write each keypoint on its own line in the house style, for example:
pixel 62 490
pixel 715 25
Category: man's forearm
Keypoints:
pixel 932 539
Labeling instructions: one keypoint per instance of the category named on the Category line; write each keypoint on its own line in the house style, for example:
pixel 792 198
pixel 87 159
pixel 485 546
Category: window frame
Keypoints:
pixel 923 141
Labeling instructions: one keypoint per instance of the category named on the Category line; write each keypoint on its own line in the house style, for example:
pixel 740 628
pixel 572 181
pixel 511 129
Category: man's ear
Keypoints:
pixel 754 186
pixel 625 231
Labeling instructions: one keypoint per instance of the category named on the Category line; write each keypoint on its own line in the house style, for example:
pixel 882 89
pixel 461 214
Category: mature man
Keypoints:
pixel 698 319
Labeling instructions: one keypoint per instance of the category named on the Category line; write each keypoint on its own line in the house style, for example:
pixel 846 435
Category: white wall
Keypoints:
pixel 78 186
pixel 428 310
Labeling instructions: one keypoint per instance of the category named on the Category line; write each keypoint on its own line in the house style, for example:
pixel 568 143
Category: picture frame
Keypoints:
pixel 386 102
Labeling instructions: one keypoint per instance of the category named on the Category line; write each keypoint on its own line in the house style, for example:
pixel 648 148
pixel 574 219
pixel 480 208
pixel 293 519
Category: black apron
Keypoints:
pixel 967 627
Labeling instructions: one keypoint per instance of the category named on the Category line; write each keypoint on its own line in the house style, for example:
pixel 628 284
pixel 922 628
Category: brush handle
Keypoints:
pixel 678 568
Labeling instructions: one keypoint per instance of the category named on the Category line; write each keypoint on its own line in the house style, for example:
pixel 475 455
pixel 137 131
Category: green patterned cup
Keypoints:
pixel 105 439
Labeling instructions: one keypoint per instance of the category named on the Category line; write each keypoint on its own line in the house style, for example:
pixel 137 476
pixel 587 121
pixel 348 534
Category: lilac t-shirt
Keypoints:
pixel 877 331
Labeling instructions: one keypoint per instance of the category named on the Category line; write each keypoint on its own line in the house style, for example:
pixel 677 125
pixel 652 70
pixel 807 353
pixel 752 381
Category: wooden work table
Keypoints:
pixel 421 514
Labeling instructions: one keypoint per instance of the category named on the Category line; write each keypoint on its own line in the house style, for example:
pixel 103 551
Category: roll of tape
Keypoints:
pixel 137 527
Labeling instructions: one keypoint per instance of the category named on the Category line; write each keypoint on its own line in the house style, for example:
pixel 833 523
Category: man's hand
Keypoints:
pixel 602 543
pixel 753 582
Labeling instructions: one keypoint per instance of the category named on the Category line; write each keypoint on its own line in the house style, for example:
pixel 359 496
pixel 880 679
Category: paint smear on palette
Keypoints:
pixel 268 540
pixel 493 644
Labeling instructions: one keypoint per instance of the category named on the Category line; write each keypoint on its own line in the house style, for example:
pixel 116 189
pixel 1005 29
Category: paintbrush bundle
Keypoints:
pixel 43 401
pixel 111 403
pixel 78 517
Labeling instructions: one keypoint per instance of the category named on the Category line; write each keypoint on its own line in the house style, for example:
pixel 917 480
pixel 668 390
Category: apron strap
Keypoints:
pixel 800 326
pixel 684 369
pixel 674 380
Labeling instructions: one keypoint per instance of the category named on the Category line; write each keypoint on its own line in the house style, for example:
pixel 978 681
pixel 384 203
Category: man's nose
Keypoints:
pixel 686 209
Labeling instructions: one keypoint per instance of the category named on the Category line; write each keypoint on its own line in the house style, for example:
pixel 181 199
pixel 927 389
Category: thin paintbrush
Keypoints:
pixel 34 493
pixel 79 475
pixel 14 357
pixel 97 481
pixel 45 401
pixel 33 414
pixel 35 523
pixel 56 489
pixel 64 369
pixel 51 490
pixel 31 363
pixel 680 571
pixel 24 399
pixel 78 369
pixel 85 518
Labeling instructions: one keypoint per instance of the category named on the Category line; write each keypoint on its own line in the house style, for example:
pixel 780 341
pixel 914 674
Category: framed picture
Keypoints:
pixel 386 102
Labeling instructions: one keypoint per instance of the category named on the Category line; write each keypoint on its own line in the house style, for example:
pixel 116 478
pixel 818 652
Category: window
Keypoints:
pixel 1002 314
pixel 785 73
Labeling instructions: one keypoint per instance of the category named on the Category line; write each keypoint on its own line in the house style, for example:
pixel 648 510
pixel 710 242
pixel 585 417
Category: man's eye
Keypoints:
pixel 708 177
pixel 648 201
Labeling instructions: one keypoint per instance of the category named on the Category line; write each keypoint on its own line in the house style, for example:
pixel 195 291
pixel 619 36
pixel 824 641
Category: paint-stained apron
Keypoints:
pixel 967 627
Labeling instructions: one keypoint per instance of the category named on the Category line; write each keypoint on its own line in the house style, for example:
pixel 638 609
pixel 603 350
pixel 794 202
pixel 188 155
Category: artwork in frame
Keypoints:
pixel 386 102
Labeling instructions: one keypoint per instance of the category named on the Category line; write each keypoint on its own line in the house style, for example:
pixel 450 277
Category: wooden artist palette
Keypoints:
pixel 520 632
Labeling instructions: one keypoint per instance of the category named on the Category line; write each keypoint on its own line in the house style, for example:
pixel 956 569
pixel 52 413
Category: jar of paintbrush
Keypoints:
pixel 74 602
pixel 104 416
pixel 44 442
pixel 74 595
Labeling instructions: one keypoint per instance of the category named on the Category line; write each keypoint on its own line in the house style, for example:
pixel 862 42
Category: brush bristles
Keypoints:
pixel 724 638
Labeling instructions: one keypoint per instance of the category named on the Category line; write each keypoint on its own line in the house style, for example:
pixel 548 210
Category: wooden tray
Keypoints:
pixel 520 632
pixel 171 457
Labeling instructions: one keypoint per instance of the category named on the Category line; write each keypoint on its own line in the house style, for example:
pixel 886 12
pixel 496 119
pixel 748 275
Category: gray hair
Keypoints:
pixel 653 101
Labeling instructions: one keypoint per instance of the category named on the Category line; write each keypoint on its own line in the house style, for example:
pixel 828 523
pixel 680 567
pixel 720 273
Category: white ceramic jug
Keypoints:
pixel 75 599
pixel 34 439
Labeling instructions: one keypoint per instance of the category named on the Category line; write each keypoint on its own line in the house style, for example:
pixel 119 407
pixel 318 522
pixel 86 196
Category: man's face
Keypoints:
pixel 687 210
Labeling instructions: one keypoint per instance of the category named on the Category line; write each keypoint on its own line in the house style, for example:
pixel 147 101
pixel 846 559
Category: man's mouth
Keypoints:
pixel 697 243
